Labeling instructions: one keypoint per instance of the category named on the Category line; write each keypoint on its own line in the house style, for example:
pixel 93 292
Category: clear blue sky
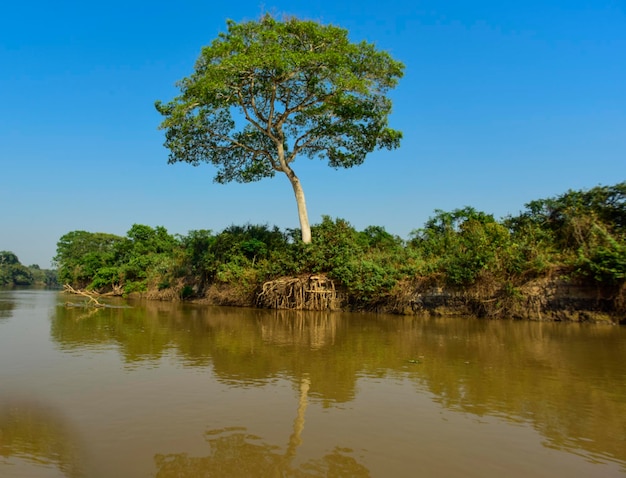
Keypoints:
pixel 501 103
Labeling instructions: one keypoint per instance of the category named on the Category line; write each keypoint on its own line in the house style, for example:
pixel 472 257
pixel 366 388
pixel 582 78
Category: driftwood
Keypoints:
pixel 315 292
pixel 92 302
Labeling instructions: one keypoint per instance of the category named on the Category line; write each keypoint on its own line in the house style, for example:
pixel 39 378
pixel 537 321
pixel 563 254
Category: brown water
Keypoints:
pixel 165 390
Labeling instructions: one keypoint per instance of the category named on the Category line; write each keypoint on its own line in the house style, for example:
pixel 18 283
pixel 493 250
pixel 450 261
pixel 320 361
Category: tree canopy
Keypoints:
pixel 13 272
pixel 268 91
pixel 99 260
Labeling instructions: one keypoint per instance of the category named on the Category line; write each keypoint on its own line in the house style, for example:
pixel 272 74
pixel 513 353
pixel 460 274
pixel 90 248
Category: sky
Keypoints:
pixel 501 103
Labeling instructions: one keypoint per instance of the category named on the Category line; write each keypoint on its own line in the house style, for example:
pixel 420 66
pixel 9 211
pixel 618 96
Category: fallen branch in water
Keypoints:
pixel 93 302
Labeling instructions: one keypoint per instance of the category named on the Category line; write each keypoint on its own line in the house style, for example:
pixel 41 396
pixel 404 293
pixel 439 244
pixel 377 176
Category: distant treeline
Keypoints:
pixel 580 235
pixel 12 272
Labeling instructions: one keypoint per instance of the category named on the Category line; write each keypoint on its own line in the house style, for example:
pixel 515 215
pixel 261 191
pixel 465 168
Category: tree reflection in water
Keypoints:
pixel 6 307
pixel 566 380
pixel 36 434
pixel 235 453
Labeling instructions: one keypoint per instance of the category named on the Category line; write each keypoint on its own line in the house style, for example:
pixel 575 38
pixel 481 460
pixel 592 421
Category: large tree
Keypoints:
pixel 267 91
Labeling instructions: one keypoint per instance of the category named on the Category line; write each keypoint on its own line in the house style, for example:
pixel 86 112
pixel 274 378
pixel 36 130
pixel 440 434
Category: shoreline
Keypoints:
pixel 544 299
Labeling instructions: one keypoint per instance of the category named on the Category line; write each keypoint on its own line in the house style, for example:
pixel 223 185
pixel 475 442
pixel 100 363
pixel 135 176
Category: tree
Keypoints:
pixel 80 254
pixel 8 258
pixel 267 91
pixel 463 244
pixel 12 272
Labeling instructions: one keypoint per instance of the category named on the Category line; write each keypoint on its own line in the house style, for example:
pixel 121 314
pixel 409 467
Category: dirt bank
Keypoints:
pixel 544 299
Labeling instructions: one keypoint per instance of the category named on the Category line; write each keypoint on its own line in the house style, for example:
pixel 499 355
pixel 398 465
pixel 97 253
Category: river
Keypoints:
pixel 155 389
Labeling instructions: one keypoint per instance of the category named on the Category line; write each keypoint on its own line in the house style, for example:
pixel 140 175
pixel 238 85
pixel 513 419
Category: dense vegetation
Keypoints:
pixel 12 272
pixel 580 235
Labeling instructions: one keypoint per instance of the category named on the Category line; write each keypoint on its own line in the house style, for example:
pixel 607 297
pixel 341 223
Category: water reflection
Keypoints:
pixel 236 453
pixel 37 435
pixel 566 380
pixel 7 304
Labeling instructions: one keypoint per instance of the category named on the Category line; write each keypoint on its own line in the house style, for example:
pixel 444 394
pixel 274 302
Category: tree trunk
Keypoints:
pixel 295 440
pixel 305 227
pixel 297 190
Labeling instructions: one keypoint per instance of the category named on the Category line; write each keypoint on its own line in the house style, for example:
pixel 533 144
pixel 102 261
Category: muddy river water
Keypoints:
pixel 153 389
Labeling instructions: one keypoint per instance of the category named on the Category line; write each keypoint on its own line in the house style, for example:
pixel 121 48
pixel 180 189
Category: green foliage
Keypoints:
pixel 80 254
pixel 335 244
pixel 12 272
pixel 244 246
pixel 602 257
pixel 267 91
pixel 16 274
pixel 581 230
pixel 193 259
pixel 107 277
pixel 105 261
pixel 6 273
pixel 293 79
pixel 7 258
pixel 186 292
pixel 146 255
pixel 367 264
pixel 250 241
pixel 41 276
pixel 571 216
pixel 535 252
pixel 463 245
pixel 580 233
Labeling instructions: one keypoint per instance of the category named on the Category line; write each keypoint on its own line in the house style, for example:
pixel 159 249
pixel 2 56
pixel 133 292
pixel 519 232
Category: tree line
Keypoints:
pixel 579 235
pixel 13 273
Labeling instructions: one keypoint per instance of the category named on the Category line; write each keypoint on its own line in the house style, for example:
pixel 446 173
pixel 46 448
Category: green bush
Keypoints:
pixel 581 233
pixel 463 244
pixel 602 257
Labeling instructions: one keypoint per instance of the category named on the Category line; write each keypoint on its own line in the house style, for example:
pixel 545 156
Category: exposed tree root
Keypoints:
pixel 316 292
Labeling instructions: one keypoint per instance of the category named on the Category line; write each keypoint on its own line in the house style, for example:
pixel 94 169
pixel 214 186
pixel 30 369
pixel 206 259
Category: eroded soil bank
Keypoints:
pixel 545 299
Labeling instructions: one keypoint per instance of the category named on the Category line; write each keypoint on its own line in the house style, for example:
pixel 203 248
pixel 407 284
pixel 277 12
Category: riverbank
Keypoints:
pixel 557 299
pixel 563 258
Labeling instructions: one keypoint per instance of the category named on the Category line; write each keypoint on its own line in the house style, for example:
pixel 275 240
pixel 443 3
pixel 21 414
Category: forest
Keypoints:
pixel 578 237
pixel 14 273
